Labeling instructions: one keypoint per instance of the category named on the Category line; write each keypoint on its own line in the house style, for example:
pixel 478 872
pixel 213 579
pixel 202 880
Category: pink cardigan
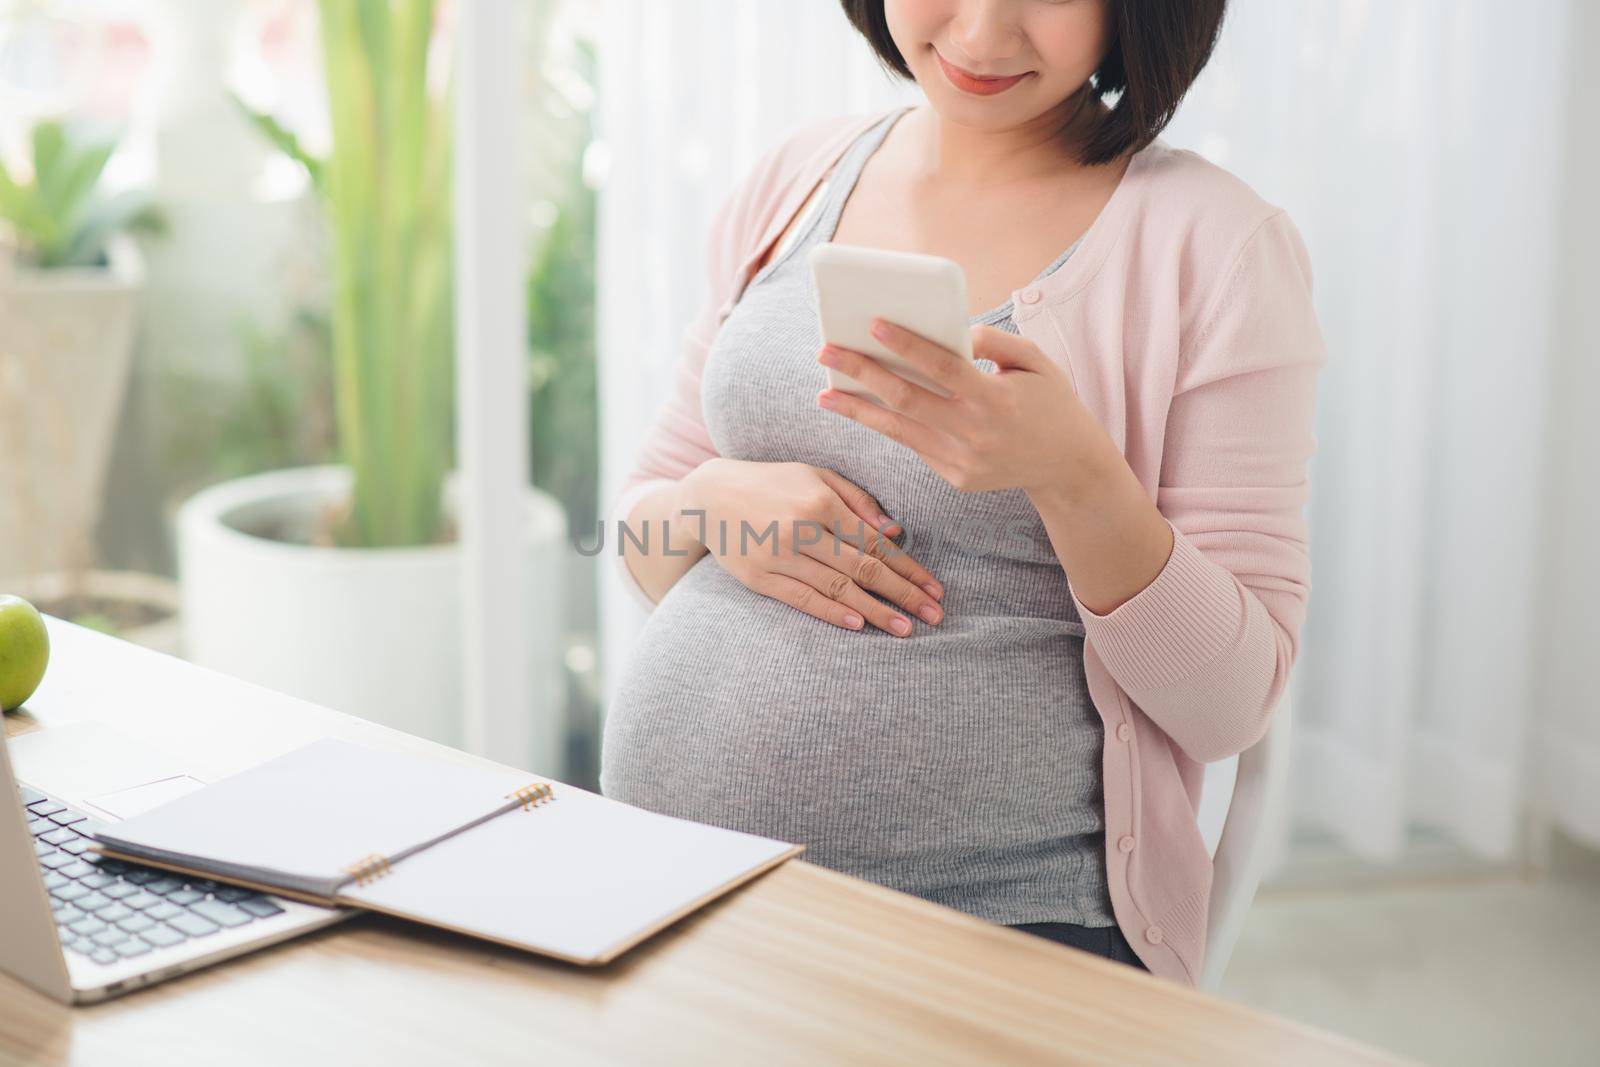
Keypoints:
pixel 1185 319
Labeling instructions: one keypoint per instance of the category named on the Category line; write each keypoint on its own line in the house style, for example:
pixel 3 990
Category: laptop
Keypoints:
pixel 81 929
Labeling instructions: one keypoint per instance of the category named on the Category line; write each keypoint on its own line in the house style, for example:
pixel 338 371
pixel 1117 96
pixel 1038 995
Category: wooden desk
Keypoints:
pixel 801 965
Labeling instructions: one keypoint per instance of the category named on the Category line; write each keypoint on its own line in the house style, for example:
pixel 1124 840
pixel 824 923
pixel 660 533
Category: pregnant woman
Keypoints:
pixel 1095 573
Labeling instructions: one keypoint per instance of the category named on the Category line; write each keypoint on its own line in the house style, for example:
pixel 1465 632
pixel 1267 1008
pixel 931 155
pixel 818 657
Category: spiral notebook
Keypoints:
pixel 491 852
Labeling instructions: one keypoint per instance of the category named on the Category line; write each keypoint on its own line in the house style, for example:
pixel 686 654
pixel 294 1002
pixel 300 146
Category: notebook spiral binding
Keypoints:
pixel 368 869
pixel 532 796
pixel 374 866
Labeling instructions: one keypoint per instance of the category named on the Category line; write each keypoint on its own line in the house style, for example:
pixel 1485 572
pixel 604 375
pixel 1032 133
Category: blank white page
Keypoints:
pixel 312 812
pixel 581 877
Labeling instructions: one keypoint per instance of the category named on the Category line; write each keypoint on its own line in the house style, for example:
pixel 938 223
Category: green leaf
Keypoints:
pixel 15 200
pixel 19 205
pixel 73 178
pixel 385 186
pixel 58 218
pixel 127 212
pixel 283 139
pixel 49 142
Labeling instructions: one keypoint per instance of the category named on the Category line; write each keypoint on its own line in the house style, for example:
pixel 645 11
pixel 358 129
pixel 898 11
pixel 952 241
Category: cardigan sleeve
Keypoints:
pixel 1205 649
pixel 677 441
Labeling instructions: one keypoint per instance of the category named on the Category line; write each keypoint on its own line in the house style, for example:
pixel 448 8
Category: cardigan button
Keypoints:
pixel 1153 935
pixel 1030 295
pixel 1124 732
pixel 1125 843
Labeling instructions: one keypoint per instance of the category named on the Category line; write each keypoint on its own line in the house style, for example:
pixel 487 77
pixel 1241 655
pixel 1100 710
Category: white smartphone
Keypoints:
pixel 925 294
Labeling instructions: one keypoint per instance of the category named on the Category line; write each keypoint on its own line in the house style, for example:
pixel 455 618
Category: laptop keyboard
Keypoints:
pixel 108 910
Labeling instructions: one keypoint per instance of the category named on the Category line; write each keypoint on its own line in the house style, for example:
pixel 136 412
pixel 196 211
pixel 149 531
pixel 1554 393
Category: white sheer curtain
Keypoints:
pixel 1568 753
pixel 1420 145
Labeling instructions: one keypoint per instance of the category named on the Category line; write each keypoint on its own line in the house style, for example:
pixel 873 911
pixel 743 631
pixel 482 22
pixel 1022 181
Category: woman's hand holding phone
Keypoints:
pixel 812 539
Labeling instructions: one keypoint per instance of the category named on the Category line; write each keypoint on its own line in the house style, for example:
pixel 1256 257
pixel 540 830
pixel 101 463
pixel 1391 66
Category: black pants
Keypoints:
pixel 1104 941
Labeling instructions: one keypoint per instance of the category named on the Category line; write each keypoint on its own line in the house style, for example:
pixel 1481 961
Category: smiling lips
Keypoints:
pixel 970 83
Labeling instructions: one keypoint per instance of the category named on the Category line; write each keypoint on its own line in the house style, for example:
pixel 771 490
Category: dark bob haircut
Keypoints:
pixel 1158 48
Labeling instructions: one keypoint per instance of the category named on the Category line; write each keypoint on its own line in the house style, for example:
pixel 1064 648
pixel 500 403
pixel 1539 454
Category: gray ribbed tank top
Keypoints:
pixel 960 764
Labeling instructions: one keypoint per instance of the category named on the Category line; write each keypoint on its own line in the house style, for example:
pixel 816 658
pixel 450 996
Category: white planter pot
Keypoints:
pixel 66 345
pixel 371 632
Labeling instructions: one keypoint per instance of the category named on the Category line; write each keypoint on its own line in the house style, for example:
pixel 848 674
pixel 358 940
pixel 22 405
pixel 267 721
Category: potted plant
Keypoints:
pixel 70 280
pixel 339 583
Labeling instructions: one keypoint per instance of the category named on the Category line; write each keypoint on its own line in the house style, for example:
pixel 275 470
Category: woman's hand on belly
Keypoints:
pixel 810 538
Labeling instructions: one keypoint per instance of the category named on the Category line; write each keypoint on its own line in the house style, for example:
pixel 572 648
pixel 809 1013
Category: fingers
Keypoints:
pixel 863 525
pixel 874 572
pixel 852 538
pixel 897 392
pixel 944 368
pixel 860 502
pixel 798 594
pixel 838 586
pixel 895 425
pixel 1006 349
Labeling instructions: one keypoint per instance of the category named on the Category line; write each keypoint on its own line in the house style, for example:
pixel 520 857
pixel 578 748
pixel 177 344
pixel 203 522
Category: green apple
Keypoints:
pixel 24 650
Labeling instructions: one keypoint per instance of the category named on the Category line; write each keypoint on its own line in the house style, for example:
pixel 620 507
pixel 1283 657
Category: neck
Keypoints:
pixel 1042 147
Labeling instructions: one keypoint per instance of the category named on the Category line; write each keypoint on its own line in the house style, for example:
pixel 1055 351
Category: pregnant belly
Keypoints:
pixel 973 736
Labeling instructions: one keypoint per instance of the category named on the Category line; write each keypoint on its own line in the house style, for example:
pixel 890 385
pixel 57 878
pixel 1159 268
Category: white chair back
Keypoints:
pixel 1240 805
